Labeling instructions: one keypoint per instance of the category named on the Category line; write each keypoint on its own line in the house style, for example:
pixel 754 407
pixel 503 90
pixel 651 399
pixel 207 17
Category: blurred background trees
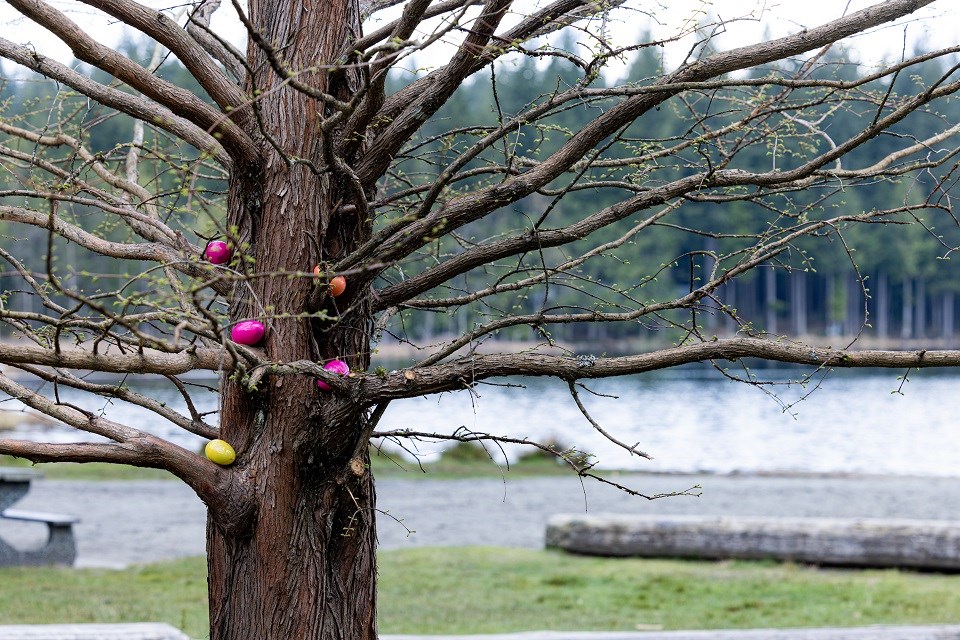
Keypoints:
pixel 889 284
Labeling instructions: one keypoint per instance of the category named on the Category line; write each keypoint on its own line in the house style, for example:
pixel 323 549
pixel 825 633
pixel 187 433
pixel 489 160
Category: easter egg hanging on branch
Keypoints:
pixel 338 284
pixel 220 451
pixel 248 332
pixel 334 366
pixel 217 252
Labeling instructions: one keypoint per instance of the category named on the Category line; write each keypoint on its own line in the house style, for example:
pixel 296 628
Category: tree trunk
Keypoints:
pixel 770 299
pixel 730 301
pixel 947 315
pixel 426 325
pixel 712 310
pixel 297 560
pixel 798 302
pixel 906 309
pixel 307 569
pixel 882 322
pixel 920 299
pixel 853 306
pixel 834 306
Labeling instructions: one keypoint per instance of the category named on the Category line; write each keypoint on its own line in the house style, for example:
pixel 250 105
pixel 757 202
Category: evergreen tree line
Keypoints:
pixel 891 281
pixel 897 278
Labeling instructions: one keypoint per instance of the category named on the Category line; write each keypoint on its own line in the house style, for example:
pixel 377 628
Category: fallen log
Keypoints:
pixel 918 544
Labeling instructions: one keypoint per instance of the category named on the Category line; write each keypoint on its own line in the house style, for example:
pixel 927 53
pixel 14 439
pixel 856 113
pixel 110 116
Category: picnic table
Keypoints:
pixel 60 548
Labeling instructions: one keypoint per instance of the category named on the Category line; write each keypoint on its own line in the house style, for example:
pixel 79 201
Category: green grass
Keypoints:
pixel 172 592
pixel 494 590
pixel 466 460
pixel 486 590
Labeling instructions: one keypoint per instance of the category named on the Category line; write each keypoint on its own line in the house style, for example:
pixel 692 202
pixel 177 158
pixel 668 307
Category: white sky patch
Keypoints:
pixel 745 22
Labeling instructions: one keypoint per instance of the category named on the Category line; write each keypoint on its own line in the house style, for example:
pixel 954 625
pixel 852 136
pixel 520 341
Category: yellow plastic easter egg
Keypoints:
pixel 220 451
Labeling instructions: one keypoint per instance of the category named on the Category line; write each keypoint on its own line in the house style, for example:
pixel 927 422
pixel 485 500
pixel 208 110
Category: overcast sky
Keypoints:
pixel 933 27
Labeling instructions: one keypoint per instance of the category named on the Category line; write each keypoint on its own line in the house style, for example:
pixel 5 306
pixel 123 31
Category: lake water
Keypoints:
pixel 689 420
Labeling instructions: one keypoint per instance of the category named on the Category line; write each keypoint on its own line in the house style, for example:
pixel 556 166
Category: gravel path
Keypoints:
pixel 133 522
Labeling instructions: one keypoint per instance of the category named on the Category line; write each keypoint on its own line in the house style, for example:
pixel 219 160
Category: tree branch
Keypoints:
pixel 413 13
pixel 533 240
pixel 147 361
pixel 164 30
pixel 115 453
pixel 148 227
pixel 475 205
pixel 180 101
pixel 122 392
pixel 384 32
pixel 410 107
pixel 501 287
pixel 463 372
pixel 416 105
pixel 596 425
pixel 799 177
pixel 198 26
pixel 152 251
pixel 135 106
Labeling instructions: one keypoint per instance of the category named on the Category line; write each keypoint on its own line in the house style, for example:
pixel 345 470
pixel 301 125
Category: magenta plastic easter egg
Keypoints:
pixel 334 366
pixel 217 252
pixel 248 332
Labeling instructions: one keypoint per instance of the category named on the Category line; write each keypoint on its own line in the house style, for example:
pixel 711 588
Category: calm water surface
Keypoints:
pixel 688 420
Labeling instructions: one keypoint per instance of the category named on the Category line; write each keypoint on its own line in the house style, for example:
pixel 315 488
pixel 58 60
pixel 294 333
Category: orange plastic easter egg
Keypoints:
pixel 338 285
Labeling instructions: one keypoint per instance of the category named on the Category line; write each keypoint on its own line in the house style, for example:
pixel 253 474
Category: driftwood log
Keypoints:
pixel 919 544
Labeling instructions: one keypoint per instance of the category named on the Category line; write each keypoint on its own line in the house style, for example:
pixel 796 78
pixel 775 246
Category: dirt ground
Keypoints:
pixel 133 522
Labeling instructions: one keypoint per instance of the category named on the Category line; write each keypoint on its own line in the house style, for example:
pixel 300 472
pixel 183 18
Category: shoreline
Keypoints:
pixel 115 529
pixel 495 471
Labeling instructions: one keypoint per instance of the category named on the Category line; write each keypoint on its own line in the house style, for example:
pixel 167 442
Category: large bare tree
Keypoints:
pixel 297 153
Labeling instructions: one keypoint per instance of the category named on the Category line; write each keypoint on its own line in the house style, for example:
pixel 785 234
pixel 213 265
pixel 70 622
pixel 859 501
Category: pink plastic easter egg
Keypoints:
pixel 217 252
pixel 248 332
pixel 334 366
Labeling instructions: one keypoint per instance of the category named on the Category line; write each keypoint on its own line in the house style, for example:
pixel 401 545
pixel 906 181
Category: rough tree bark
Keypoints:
pixel 303 566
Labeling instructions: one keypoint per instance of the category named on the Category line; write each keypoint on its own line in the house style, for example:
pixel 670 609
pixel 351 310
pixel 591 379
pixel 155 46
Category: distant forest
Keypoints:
pixel 898 278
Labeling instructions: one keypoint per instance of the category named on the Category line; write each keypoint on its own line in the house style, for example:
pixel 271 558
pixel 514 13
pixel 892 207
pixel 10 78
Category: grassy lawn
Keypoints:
pixel 466 460
pixel 172 592
pixel 487 590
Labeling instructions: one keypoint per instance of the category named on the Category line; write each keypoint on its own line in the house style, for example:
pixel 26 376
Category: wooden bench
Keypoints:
pixel 60 548
pixel 916 544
